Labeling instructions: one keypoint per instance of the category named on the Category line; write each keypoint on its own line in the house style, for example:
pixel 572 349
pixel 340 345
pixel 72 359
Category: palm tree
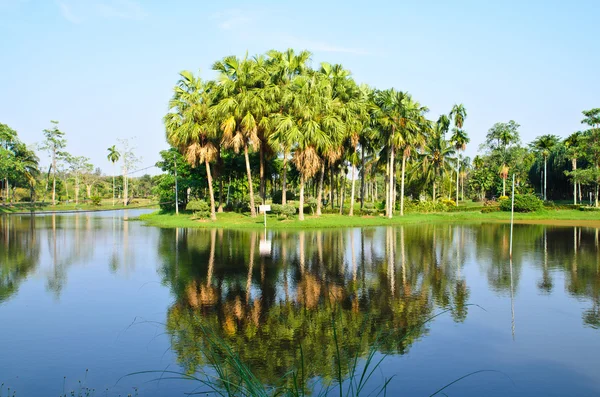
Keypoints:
pixel 459 114
pixel 191 127
pixel 310 121
pixel 402 119
pixel 283 68
pixel 460 139
pixel 436 158
pixel 572 143
pixel 544 145
pixel 241 108
pixel 113 157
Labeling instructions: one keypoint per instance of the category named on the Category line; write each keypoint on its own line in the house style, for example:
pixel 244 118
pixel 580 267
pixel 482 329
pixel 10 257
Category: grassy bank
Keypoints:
pixel 244 221
pixel 105 205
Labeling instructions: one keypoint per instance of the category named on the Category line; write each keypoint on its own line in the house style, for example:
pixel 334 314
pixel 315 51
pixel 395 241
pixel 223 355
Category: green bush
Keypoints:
pixel 425 206
pixel 277 196
pixel 96 200
pixel 200 208
pixel 283 211
pixel 486 210
pixel 523 203
pixel 502 198
pixel 312 204
pixel 588 208
pixel 369 209
pixel 448 202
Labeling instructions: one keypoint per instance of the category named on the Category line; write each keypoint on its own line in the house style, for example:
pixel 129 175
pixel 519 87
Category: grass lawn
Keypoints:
pixel 233 220
pixel 70 207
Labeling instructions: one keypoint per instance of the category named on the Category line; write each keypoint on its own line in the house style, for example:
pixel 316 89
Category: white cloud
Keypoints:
pixel 322 46
pixel 78 11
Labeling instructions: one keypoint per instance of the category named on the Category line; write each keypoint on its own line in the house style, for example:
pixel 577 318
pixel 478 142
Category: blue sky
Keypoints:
pixel 105 68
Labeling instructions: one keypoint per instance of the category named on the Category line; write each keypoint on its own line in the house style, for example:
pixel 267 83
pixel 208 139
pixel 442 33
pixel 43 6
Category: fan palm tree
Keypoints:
pixel 283 68
pixel 241 108
pixel 191 127
pixel 310 121
pixel 544 145
pixel 113 156
pixel 460 140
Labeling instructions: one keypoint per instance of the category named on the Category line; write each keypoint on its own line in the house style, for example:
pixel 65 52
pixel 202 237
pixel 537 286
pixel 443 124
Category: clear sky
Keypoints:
pixel 105 68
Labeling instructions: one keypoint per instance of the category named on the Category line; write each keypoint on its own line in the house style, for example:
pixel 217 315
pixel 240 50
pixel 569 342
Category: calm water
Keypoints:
pixel 94 292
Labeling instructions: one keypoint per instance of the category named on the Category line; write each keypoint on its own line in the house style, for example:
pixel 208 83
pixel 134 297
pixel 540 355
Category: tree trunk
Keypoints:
pixel 331 197
pixel 351 212
pixel 320 194
pixel 402 186
pixel 250 189
pixel 457 177
pixel 390 199
pixel 262 173
pixel 125 187
pixel 211 193
pixel 574 162
pixel 434 191
pixel 301 208
pixel 462 188
pixel 220 193
pixel 54 177
pixel 76 190
pixel 114 171
pixel 375 196
pixel 284 179
pixel 545 178
pixel 503 186
pixel 342 193
pixel 362 178
pixel 88 189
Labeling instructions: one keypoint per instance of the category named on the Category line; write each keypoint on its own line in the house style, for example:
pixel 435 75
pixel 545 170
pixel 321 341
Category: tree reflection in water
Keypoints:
pixel 265 308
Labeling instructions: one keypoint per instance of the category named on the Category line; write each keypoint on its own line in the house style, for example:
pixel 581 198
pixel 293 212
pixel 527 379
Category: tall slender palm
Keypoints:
pixel 436 158
pixel 191 127
pixel 241 108
pixel 113 157
pixel 460 140
pixel 573 145
pixel 544 145
pixel 402 119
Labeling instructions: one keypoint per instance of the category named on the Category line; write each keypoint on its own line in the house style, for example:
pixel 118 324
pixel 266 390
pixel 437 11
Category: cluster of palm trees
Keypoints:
pixel 320 120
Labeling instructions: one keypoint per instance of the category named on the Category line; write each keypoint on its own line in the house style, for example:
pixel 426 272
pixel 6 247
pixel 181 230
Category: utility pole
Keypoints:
pixel 176 200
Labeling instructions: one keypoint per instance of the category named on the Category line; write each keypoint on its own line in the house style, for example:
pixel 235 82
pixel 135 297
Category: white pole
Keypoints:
pixel 512 216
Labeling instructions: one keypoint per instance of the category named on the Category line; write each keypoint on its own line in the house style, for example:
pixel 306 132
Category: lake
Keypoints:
pixel 86 299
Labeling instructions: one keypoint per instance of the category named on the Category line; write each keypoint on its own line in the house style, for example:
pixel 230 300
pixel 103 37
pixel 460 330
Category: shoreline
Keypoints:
pixel 230 220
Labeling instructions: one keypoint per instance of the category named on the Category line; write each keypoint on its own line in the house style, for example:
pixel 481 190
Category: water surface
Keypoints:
pixel 93 297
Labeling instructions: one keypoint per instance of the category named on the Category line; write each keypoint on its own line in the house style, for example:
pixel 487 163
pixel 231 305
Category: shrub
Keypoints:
pixel 283 211
pixel 200 207
pixel 448 202
pixel 312 204
pixel 425 206
pixel 502 198
pixel 96 200
pixel 277 196
pixel 489 203
pixel 486 210
pixel 588 208
pixel 523 203
pixel 369 209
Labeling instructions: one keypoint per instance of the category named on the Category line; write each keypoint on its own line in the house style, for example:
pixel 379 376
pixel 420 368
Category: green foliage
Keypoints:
pixel 369 209
pixel 503 198
pixel 277 196
pixel 425 206
pixel 283 211
pixel 586 208
pixel 487 210
pixel 96 200
pixel 200 208
pixel 523 203
pixel 312 204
